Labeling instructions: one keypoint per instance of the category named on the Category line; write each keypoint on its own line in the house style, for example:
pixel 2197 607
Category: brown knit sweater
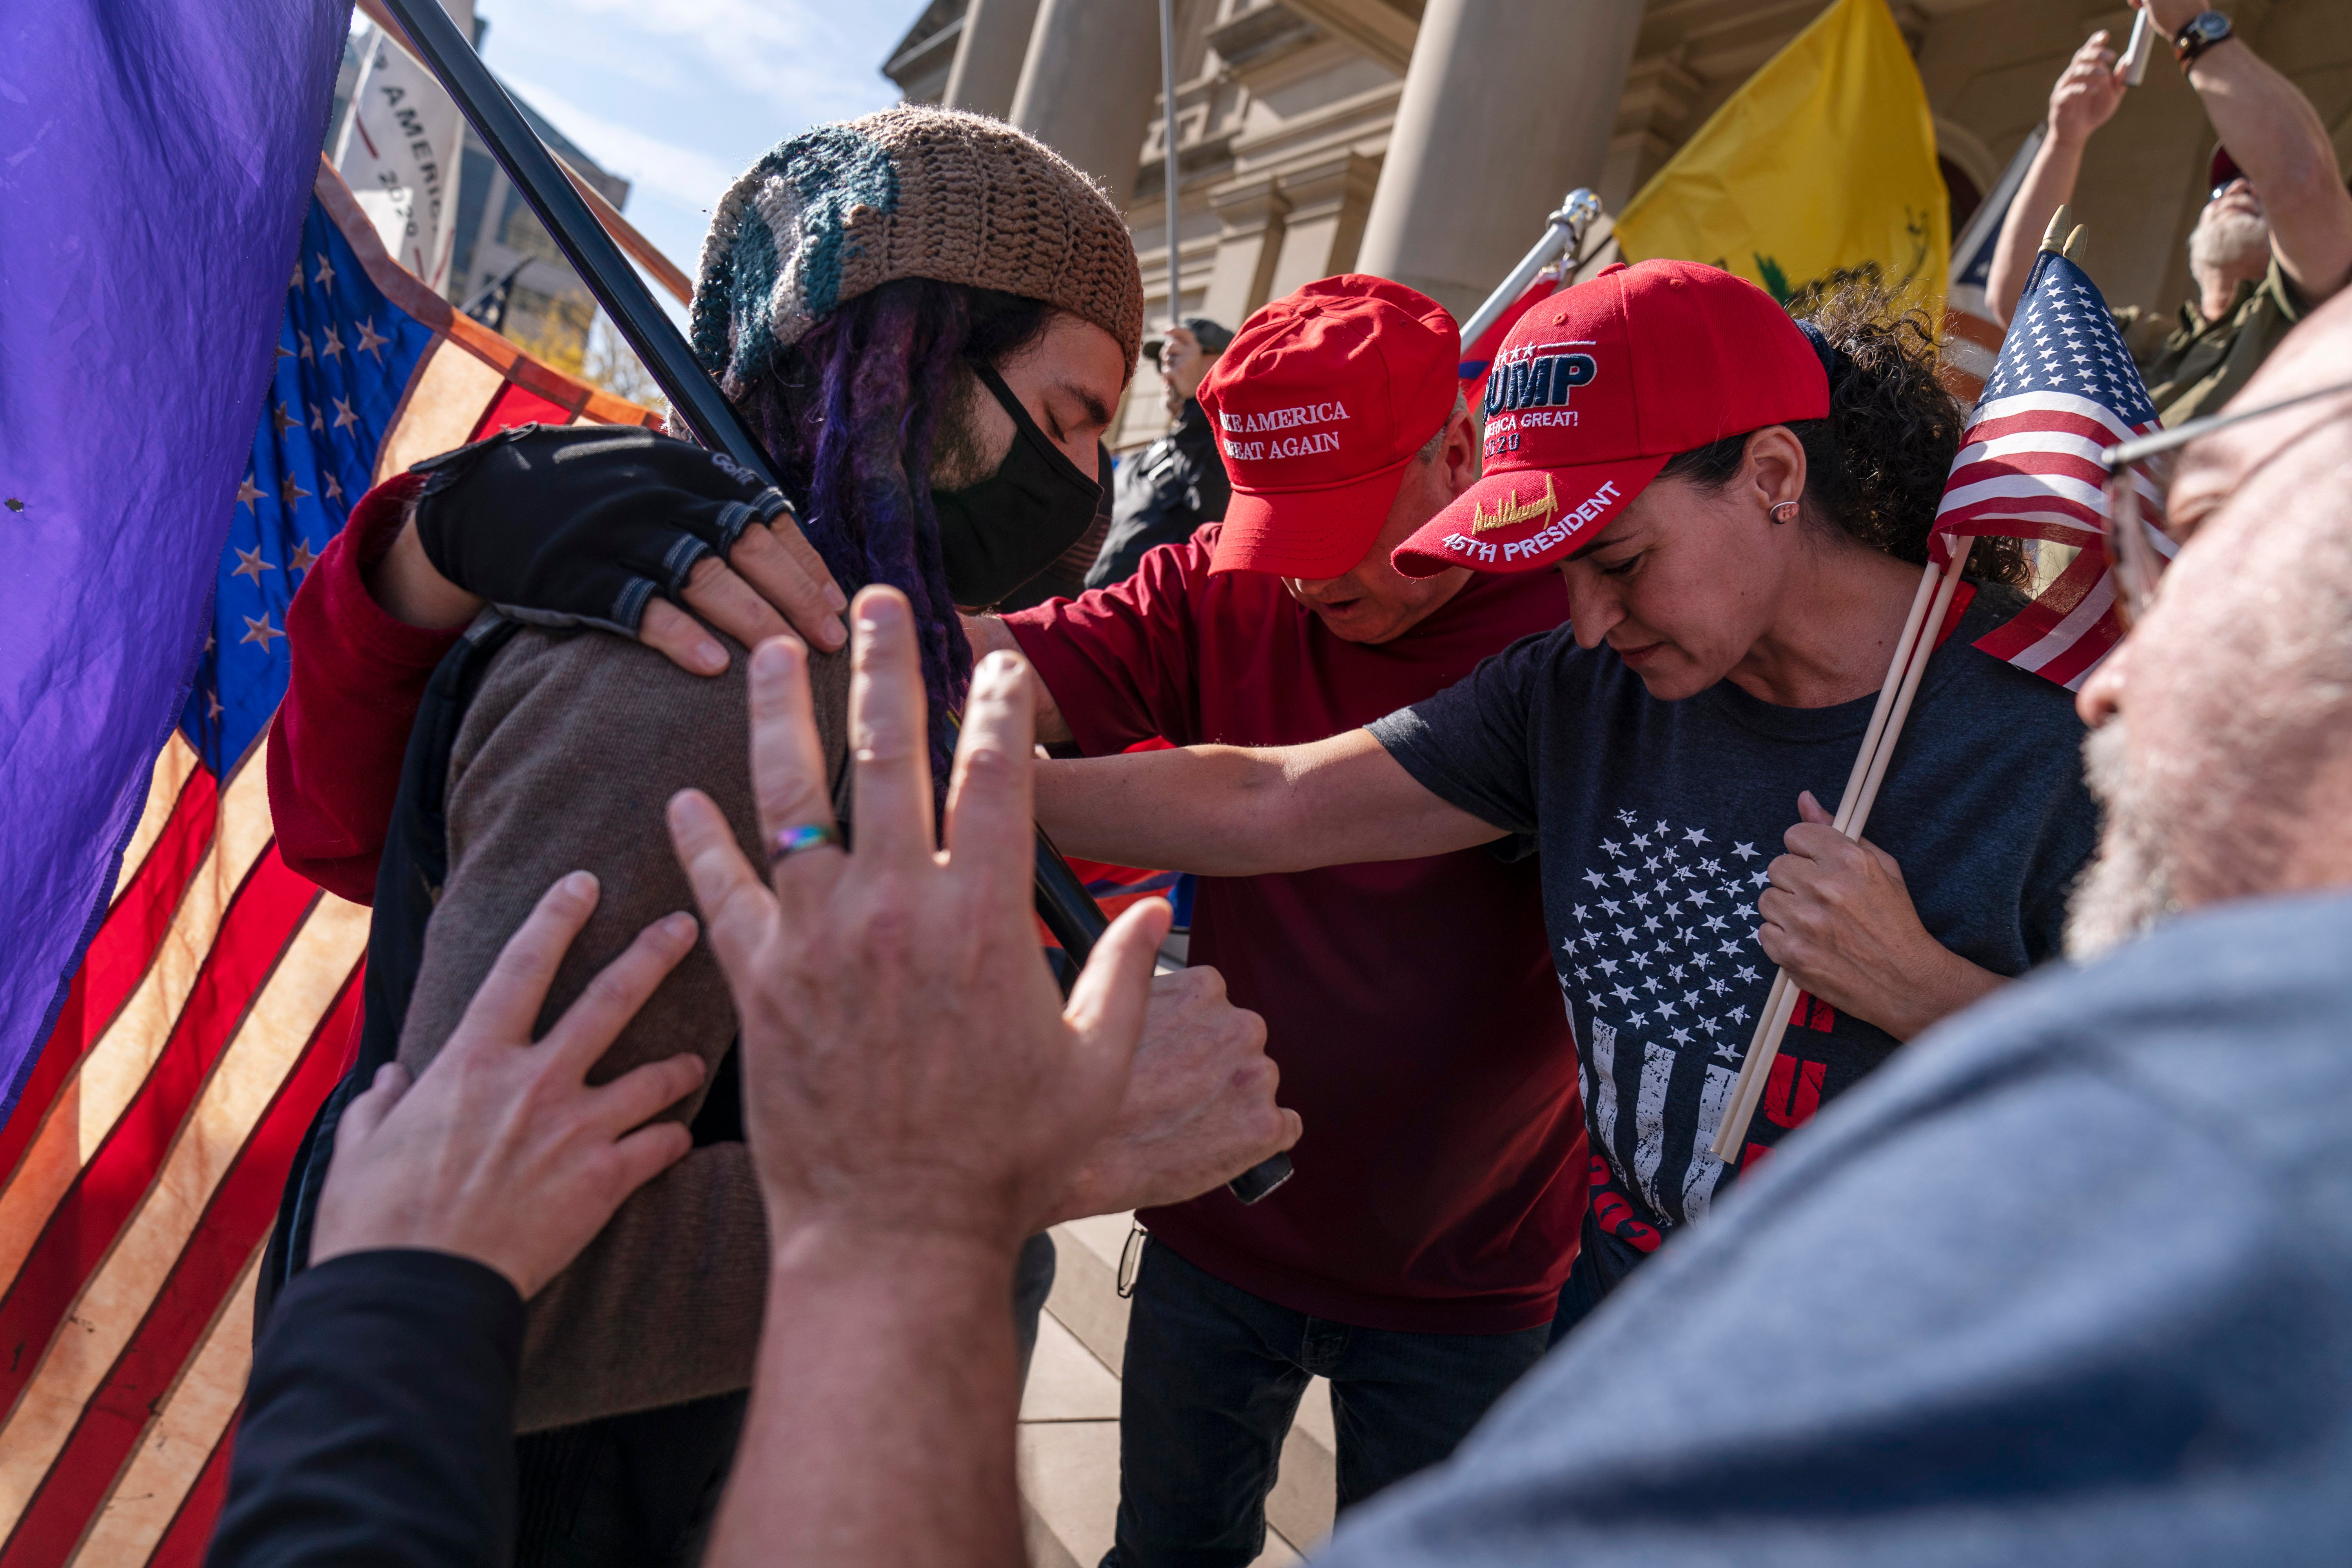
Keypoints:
pixel 566 760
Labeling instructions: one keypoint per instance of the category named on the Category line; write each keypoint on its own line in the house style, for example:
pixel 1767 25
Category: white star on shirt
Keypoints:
pixel 1745 851
pixel 1695 836
pixel 1745 972
pixel 1596 879
pixel 1608 907
pixel 1622 993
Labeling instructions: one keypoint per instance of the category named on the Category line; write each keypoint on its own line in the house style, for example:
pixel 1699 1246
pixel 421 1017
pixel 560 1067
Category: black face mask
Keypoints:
pixel 998 533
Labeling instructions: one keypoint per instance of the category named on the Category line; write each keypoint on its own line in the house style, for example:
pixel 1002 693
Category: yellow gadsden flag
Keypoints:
pixel 1825 159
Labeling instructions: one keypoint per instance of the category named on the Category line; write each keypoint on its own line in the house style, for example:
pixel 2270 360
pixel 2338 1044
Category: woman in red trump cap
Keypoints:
pixel 1739 504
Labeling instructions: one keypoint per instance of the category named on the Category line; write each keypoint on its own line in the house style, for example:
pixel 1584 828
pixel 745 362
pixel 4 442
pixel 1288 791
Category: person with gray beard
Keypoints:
pixel 2273 242
pixel 2070 1280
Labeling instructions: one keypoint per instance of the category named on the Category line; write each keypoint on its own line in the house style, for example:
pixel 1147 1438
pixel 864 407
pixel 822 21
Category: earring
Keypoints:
pixel 1785 512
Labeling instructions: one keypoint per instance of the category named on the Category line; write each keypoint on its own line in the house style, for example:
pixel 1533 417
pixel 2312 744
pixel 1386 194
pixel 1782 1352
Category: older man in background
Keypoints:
pixel 2274 241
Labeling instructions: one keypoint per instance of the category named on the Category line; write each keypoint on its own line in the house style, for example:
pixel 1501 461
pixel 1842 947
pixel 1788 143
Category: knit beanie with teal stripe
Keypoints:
pixel 911 192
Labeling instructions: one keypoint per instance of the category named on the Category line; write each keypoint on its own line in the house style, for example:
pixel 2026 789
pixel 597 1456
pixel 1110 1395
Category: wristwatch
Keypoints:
pixel 2203 31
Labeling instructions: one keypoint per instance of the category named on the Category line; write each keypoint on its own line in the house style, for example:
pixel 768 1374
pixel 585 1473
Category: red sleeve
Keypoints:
pixel 1119 660
pixel 358 676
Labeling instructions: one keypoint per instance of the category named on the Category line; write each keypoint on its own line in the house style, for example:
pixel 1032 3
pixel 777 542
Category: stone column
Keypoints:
pixel 1507 105
pixel 988 56
pixel 1091 84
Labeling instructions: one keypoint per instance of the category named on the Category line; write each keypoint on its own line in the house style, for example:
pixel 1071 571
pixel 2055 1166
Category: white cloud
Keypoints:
pixel 809 60
pixel 685 176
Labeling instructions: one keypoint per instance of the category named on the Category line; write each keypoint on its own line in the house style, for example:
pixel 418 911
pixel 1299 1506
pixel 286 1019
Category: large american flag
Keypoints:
pixel 2065 389
pixel 143 1163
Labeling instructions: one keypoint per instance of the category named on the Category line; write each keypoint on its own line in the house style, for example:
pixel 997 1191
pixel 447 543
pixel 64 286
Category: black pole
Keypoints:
pixel 1063 902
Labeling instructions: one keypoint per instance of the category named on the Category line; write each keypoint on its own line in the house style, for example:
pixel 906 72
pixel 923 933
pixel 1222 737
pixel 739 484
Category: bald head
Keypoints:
pixel 2224 748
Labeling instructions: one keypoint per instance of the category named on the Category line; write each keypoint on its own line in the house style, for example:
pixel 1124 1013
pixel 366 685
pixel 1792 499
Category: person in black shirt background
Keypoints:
pixel 1170 488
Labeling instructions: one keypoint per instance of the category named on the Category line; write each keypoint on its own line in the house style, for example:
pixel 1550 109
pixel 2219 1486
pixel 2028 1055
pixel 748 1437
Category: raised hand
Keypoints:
pixel 908 1065
pixel 501 1151
pixel 2087 91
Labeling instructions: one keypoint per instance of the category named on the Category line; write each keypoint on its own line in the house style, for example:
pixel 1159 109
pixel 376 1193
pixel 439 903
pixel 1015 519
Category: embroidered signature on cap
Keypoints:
pixel 1514 510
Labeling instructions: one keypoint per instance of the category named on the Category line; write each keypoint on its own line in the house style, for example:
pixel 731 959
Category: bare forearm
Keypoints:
pixel 1942 989
pixel 1214 810
pixel 988 634
pixel 2049 185
pixel 2277 138
pixel 411 588
pixel 881 1429
pixel 1238 811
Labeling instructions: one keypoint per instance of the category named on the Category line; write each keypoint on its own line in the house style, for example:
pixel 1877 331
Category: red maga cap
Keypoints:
pixel 1596 388
pixel 1317 404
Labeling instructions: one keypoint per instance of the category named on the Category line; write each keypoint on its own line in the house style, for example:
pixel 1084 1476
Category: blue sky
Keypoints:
pixel 680 95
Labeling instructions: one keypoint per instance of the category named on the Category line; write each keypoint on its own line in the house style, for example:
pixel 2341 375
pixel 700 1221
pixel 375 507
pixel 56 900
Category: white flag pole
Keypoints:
pixel 1913 650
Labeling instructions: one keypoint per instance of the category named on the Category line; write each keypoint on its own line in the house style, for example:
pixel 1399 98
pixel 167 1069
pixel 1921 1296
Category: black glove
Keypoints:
pixel 582 525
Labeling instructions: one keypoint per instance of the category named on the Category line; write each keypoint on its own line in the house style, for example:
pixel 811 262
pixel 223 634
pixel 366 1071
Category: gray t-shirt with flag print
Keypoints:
pixel 1655 822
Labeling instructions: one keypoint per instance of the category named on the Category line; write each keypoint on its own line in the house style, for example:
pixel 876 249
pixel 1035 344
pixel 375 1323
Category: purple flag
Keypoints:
pixel 156 157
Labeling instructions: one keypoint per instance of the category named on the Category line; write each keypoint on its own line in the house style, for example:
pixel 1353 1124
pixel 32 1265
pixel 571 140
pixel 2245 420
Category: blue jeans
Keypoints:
pixel 1212 1378
pixel 1601 1263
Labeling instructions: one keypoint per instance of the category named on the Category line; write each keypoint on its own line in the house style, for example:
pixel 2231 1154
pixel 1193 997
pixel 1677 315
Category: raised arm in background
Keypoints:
pixel 2084 98
pixel 2272 134
pixel 2279 141
pixel 1240 811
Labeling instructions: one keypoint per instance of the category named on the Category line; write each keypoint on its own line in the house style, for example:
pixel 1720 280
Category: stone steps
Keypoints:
pixel 1069 1420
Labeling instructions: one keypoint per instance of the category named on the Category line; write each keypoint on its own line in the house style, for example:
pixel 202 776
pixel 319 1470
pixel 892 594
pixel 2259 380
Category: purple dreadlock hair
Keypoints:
pixel 852 415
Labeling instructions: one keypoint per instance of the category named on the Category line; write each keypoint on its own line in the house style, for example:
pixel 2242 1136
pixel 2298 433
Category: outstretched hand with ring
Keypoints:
pixel 908 1063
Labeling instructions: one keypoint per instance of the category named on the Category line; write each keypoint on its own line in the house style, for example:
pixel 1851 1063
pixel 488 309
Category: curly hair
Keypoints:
pixel 852 415
pixel 1875 468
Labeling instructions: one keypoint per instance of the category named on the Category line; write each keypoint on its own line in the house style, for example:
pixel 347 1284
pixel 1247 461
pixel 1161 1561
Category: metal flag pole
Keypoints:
pixel 1564 237
pixel 1168 134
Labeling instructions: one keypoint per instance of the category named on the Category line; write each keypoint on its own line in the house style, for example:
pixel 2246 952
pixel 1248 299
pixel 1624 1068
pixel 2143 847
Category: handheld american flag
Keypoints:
pixel 212 1013
pixel 2065 389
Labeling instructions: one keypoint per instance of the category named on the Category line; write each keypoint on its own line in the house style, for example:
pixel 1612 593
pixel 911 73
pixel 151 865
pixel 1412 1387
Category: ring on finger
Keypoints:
pixel 791 841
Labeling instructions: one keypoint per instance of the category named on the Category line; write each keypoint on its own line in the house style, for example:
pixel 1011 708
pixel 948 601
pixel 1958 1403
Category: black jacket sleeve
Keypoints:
pixel 1165 493
pixel 379 1423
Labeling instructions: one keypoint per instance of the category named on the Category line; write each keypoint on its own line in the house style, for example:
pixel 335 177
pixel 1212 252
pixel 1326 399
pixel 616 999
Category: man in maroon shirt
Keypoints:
pixel 1416 1257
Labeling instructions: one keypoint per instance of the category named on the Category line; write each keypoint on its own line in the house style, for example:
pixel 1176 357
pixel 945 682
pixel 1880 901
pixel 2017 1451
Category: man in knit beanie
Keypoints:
pixel 930 319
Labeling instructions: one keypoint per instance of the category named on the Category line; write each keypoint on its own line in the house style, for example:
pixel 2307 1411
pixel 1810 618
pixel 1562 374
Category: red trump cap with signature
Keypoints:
pixel 1596 388
pixel 1317 404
